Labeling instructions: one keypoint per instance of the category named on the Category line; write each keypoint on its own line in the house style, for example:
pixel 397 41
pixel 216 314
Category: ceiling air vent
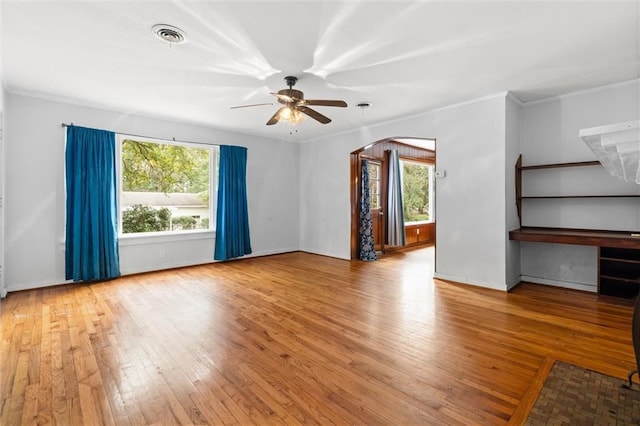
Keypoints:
pixel 169 33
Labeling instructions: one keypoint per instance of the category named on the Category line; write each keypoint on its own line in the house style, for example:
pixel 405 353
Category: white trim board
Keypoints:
pixel 561 284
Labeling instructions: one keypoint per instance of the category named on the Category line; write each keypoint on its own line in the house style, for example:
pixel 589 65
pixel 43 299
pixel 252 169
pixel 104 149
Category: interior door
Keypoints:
pixel 377 212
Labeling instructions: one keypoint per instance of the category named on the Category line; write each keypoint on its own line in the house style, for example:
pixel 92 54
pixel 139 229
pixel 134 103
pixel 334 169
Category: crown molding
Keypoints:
pixel 581 92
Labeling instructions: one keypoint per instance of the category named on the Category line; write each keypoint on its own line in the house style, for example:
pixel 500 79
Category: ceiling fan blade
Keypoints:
pixel 325 102
pixel 247 106
pixel 283 97
pixel 275 118
pixel 252 105
pixel 314 114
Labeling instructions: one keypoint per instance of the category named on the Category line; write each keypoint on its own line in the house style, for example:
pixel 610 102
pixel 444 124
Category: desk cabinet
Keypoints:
pixel 618 272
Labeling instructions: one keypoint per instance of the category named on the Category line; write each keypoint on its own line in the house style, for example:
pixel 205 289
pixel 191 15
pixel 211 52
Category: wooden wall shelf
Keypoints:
pixel 560 165
pixel 519 197
pixel 579 196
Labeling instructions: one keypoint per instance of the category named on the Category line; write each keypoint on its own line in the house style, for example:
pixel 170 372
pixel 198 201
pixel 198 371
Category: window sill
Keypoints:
pixel 419 222
pixel 167 237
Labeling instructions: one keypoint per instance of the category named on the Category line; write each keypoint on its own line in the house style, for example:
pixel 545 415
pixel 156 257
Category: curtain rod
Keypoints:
pixel 150 137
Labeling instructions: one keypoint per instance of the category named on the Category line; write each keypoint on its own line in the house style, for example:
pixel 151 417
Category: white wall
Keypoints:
pixel 35 194
pixel 549 134
pixel 470 200
pixel 3 289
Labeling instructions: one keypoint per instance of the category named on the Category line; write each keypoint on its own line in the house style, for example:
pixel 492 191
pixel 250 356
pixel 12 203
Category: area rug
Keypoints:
pixel 573 395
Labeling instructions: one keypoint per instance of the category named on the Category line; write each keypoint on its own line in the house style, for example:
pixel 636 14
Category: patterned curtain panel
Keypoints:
pixel 91 244
pixel 367 250
pixel 395 214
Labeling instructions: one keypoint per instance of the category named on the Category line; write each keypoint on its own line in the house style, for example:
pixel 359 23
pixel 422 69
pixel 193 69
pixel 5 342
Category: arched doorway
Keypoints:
pixel 411 150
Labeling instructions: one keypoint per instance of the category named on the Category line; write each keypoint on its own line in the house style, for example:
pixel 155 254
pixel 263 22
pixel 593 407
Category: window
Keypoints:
pixel 374 184
pixel 417 193
pixel 165 187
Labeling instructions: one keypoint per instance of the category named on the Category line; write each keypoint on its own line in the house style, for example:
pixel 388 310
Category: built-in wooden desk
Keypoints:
pixel 582 237
pixel 618 254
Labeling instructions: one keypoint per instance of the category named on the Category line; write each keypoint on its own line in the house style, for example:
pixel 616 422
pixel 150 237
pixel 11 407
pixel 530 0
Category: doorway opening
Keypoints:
pixel 417 158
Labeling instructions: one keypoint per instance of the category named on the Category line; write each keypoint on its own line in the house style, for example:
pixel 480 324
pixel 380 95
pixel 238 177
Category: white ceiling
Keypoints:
pixel 404 57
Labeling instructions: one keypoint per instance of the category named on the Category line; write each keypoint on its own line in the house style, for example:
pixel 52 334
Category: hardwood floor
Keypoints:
pixel 294 338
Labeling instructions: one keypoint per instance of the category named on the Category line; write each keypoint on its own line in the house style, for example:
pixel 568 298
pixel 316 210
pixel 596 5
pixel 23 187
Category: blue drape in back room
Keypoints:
pixel 395 214
pixel 91 245
pixel 232 217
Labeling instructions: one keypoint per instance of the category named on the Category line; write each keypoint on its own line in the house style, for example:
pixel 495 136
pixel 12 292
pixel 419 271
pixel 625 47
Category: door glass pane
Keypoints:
pixel 374 184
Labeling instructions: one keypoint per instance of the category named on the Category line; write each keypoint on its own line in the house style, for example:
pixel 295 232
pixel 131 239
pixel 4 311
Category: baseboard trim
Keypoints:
pixel 43 284
pixel 462 280
pixel 559 283
pixel 513 282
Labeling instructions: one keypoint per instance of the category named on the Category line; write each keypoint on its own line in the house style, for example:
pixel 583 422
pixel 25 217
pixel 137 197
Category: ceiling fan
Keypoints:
pixel 296 107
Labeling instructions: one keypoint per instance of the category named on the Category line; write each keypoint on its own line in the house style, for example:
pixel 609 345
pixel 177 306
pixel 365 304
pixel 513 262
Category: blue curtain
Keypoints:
pixel 232 217
pixel 395 213
pixel 91 246
pixel 367 247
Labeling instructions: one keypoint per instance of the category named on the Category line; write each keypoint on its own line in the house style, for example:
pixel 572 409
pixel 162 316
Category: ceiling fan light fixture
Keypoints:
pixel 292 115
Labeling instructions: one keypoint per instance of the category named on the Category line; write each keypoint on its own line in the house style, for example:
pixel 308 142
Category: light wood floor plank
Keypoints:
pixel 296 339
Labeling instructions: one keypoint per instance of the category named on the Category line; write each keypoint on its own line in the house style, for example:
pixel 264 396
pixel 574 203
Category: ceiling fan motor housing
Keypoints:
pixel 290 80
pixel 292 93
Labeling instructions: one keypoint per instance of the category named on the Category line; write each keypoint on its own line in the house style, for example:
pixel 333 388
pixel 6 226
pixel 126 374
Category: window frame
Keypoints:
pixel 158 236
pixel 431 166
